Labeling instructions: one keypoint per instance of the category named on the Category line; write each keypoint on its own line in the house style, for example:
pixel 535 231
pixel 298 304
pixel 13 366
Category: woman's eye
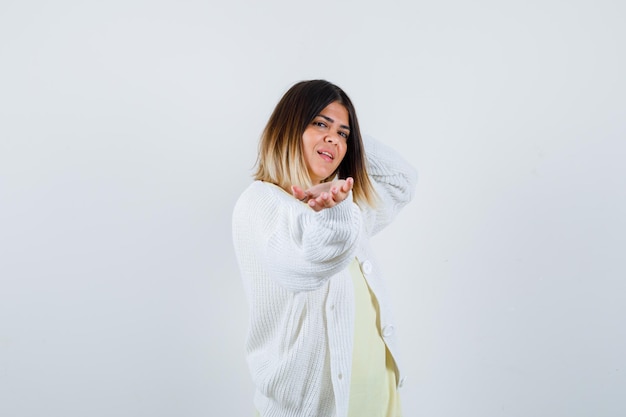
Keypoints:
pixel 344 135
pixel 320 124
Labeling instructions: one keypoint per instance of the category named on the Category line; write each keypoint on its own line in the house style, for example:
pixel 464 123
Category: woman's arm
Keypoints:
pixel 394 180
pixel 296 246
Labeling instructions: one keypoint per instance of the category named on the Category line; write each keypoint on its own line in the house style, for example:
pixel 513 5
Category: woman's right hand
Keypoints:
pixel 324 195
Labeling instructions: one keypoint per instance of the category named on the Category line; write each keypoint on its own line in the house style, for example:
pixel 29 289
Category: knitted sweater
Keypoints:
pixel 294 265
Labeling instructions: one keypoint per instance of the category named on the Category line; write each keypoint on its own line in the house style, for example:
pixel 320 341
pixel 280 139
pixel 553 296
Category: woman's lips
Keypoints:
pixel 326 155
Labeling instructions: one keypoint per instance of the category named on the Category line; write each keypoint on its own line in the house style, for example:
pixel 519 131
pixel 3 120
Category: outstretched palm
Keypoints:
pixel 324 195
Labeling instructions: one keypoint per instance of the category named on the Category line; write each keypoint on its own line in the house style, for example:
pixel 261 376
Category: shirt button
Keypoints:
pixel 388 330
pixel 401 383
pixel 340 376
pixel 367 267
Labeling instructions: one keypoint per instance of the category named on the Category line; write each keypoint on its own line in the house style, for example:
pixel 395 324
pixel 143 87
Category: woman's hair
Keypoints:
pixel 281 159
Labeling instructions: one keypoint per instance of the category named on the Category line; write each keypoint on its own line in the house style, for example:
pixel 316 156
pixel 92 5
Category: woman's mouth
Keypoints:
pixel 326 155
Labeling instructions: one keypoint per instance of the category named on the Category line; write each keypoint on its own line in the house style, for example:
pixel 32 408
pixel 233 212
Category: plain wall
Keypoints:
pixel 129 128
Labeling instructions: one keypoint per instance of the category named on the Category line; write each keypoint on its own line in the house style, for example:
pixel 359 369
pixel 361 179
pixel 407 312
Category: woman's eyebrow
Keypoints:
pixel 328 119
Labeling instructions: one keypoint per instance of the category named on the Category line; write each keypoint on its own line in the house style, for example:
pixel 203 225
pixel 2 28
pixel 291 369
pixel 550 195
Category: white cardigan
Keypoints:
pixel 294 265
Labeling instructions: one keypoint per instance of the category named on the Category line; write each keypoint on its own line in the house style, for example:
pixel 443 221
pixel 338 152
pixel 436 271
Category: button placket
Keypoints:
pixel 388 330
pixel 367 267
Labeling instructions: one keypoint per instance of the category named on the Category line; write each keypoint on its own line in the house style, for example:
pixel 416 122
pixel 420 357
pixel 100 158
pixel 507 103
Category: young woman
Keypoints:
pixel 321 340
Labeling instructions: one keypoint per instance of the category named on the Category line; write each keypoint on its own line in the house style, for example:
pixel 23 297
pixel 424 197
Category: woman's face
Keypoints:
pixel 325 141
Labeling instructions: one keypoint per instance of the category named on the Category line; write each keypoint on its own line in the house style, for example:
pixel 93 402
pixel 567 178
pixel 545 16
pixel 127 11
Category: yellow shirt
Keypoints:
pixel 373 390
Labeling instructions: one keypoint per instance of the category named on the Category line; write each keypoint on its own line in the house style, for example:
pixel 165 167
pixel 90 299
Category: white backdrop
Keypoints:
pixel 129 128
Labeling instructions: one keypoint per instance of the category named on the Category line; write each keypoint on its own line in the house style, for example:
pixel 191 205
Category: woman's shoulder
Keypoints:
pixel 262 194
pixel 259 205
pixel 264 190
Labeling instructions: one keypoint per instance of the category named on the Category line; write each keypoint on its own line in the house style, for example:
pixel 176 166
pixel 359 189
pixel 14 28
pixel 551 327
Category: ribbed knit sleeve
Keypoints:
pixel 298 247
pixel 394 180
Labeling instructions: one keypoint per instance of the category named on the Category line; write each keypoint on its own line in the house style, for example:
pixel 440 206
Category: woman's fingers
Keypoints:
pixel 316 204
pixel 343 189
pixel 347 186
pixel 318 189
pixel 319 200
pixel 324 200
pixel 299 193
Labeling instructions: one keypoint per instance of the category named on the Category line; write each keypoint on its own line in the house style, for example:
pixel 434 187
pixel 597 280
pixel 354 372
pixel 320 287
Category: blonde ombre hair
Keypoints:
pixel 281 160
